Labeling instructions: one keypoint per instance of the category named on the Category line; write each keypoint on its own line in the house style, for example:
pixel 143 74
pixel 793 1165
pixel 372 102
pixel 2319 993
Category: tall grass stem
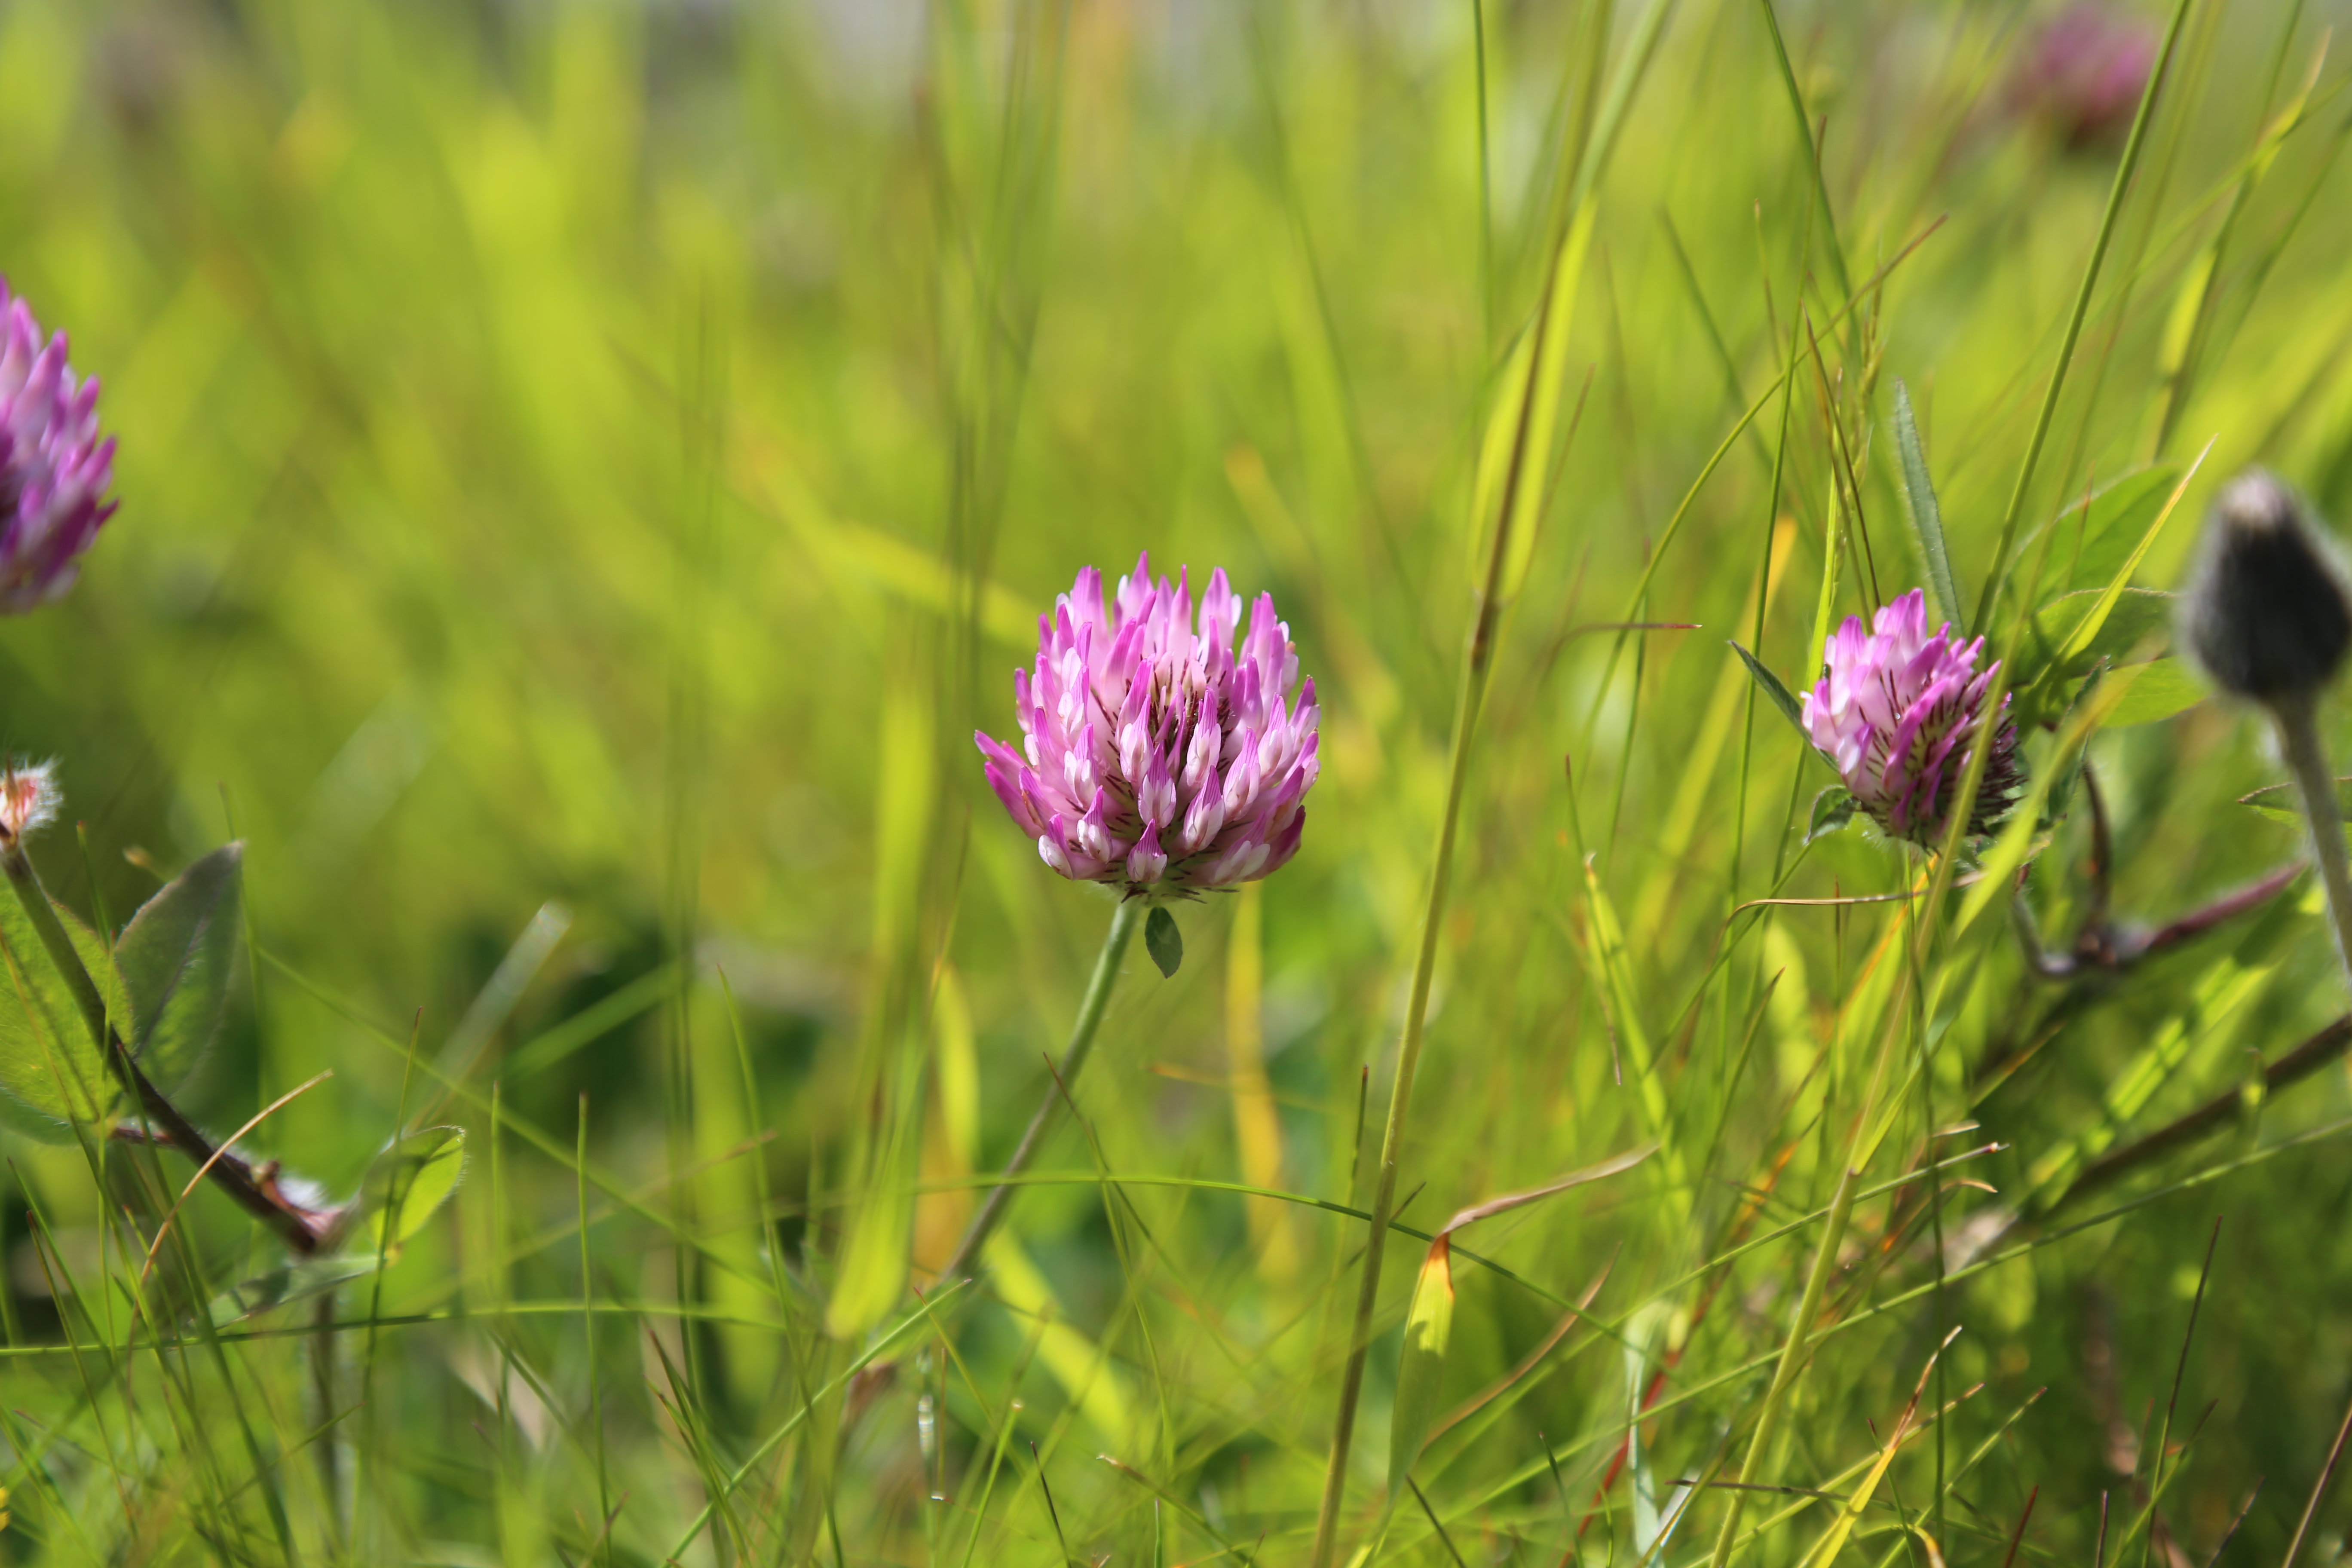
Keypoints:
pixel 2318 1491
pixel 1475 664
pixel 2115 193
pixel 1792 1360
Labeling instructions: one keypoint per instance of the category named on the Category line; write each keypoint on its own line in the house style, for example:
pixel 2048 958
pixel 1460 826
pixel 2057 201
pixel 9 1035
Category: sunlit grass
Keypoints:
pixel 587 472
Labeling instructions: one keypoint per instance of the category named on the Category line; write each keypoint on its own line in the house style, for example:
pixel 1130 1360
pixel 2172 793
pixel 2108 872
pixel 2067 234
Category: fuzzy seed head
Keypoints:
pixel 2267 612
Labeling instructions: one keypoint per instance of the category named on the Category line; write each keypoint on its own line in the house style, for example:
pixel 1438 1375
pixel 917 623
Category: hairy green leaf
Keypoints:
pixel 2140 622
pixel 177 956
pixel 2096 533
pixel 1833 809
pixel 51 1073
pixel 2164 689
pixel 2073 651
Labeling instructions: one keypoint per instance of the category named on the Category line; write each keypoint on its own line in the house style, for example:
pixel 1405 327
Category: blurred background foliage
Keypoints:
pixel 613 454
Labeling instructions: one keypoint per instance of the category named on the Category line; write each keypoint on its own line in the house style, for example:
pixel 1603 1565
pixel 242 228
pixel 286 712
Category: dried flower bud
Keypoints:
pixel 29 798
pixel 2267 612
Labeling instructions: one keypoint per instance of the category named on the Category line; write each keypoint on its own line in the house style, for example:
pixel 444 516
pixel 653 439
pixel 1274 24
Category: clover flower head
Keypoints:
pixel 29 798
pixel 54 470
pixel 1895 712
pixel 1155 757
pixel 2085 72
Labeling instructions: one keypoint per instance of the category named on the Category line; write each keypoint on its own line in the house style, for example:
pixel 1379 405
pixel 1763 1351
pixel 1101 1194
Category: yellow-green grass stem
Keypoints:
pixel 1792 1360
pixel 1475 665
pixel 1351 1383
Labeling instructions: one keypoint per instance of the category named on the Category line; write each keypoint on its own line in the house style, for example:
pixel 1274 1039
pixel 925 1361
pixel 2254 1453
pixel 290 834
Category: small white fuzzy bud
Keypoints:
pixel 29 798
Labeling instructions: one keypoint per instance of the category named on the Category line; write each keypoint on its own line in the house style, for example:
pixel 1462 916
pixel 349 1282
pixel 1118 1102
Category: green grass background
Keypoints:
pixel 614 456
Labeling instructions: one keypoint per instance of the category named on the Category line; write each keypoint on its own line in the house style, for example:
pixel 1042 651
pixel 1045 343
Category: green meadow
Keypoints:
pixel 587 468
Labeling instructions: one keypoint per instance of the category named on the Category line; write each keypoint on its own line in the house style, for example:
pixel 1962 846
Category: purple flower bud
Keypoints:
pixel 2267 611
pixel 54 470
pixel 1152 759
pixel 1894 714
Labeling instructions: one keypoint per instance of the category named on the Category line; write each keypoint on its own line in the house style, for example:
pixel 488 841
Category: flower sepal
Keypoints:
pixel 1769 684
pixel 1833 808
pixel 1164 941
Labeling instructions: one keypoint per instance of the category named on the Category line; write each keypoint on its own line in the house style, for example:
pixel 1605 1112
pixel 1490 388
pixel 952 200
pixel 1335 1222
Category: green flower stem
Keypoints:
pixel 252 1191
pixel 2297 718
pixel 1096 1001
